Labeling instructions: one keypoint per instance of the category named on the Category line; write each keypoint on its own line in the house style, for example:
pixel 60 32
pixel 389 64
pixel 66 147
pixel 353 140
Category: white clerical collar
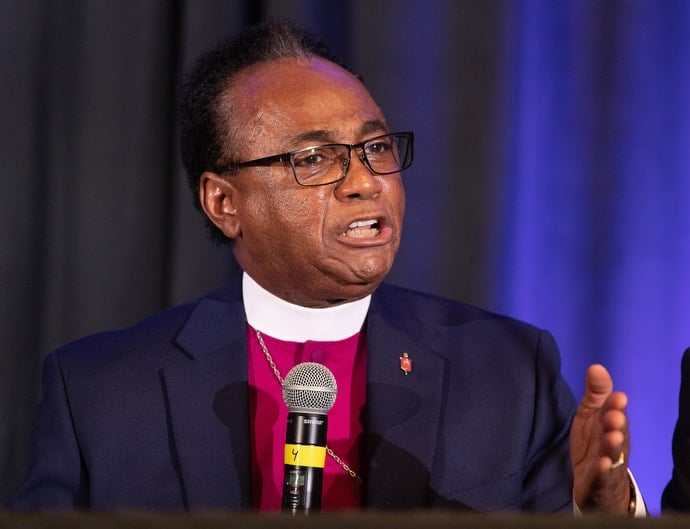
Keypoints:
pixel 294 323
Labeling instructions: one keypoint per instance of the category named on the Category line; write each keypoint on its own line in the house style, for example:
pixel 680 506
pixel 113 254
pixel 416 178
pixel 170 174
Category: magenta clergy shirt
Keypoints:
pixel 332 336
pixel 268 416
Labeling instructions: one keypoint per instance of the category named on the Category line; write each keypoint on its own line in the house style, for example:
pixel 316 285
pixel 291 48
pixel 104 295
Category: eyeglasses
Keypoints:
pixel 326 164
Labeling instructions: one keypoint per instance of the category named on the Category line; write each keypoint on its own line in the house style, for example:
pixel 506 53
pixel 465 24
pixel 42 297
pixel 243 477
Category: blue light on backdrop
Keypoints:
pixel 597 241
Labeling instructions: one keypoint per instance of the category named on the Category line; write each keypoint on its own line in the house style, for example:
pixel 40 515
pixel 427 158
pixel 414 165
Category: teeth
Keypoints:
pixel 363 228
pixel 362 223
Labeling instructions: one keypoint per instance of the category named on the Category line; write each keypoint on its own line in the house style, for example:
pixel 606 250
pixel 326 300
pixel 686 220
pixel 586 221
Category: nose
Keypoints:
pixel 359 181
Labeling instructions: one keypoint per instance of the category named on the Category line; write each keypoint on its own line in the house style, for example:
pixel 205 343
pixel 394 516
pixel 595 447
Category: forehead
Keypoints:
pixel 289 101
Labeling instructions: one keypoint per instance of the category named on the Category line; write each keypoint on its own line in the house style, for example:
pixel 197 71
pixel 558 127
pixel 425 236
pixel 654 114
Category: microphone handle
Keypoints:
pixel 305 458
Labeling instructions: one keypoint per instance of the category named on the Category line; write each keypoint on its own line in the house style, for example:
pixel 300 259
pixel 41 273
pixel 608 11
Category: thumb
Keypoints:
pixel 598 386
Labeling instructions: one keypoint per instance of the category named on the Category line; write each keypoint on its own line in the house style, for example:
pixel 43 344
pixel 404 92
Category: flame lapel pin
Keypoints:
pixel 405 364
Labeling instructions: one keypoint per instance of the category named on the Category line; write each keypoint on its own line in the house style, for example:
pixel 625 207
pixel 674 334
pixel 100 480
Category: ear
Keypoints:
pixel 218 200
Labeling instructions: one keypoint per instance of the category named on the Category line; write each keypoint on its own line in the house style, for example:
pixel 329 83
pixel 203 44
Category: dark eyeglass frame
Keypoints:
pixel 289 157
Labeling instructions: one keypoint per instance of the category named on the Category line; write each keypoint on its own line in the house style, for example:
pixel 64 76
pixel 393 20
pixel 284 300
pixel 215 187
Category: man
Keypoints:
pixel 676 496
pixel 439 404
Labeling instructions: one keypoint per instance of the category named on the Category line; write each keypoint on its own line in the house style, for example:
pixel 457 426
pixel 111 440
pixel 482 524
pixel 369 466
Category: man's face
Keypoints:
pixel 307 244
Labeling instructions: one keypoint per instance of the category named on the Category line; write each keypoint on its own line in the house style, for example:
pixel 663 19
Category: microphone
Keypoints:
pixel 309 392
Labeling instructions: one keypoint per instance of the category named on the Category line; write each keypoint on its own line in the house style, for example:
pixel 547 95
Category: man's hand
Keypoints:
pixel 600 446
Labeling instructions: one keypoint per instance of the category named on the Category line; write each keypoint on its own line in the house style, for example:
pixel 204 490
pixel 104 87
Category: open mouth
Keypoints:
pixel 361 229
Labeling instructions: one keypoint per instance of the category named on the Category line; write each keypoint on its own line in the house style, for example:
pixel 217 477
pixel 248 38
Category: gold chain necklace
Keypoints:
pixel 276 372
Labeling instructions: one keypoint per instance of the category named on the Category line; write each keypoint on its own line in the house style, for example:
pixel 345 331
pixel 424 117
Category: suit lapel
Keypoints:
pixel 207 399
pixel 403 411
pixel 208 406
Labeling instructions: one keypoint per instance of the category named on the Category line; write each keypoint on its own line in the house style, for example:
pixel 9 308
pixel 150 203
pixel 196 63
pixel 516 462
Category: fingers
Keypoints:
pixel 610 407
pixel 616 401
pixel 614 446
pixel 598 386
pixel 613 416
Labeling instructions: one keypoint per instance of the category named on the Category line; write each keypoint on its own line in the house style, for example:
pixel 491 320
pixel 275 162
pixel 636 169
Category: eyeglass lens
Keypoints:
pixel 329 163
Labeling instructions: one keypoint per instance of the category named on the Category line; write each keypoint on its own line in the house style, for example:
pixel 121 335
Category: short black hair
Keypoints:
pixel 204 138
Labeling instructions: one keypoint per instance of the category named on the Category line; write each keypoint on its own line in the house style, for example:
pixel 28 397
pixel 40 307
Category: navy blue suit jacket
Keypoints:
pixel 155 416
pixel 676 495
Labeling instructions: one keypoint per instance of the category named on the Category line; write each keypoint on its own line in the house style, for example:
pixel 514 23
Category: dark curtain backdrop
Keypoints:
pixel 551 177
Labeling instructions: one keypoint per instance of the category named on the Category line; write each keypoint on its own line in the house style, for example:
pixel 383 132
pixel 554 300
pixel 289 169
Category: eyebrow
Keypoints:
pixel 326 136
pixel 374 126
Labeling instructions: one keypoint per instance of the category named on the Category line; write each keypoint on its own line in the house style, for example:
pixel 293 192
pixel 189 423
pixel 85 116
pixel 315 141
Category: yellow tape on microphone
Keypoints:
pixel 305 456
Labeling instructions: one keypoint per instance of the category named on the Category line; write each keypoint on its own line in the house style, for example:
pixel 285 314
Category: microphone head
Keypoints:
pixel 310 387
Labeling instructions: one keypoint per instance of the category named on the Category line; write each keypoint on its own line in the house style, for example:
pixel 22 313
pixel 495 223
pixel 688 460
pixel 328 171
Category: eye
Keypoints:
pixel 312 158
pixel 378 146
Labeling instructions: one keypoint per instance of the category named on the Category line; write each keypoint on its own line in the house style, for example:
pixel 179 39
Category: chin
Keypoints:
pixel 372 275
pixel 358 276
pixel 353 292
